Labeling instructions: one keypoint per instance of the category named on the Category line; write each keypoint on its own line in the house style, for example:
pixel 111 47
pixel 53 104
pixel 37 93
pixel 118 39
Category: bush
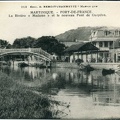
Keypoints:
pixel 19 102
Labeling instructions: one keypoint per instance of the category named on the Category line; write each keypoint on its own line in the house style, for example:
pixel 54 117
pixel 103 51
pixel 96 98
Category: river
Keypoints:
pixel 88 95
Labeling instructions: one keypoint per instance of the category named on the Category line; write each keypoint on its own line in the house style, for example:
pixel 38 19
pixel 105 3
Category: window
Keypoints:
pixel 101 54
pixel 119 43
pixel 106 44
pixel 100 44
pixel 116 32
pixel 111 44
pixel 118 58
pixel 106 33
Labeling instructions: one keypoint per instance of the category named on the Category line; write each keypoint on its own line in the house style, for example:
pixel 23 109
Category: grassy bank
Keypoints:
pixel 18 101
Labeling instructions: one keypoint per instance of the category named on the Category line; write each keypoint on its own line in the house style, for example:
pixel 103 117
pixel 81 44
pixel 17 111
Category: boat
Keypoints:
pixel 107 71
pixel 4 63
pixel 23 64
pixel 86 68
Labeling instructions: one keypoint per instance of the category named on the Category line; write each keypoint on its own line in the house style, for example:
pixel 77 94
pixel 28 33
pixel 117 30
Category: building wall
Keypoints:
pixel 103 45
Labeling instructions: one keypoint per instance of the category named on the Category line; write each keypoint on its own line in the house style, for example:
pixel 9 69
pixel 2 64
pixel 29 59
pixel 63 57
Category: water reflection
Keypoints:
pixel 87 93
pixel 110 95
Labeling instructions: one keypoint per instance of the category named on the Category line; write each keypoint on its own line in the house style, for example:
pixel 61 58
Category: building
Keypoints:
pixel 108 42
pixel 103 46
pixel 84 51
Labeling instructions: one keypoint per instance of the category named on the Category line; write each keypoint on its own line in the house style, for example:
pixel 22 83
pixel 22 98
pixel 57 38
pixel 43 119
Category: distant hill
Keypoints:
pixel 81 33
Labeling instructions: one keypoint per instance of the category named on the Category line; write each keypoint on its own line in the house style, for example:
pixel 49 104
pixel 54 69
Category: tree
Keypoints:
pixel 49 44
pixel 3 43
pixel 23 42
pixel 9 46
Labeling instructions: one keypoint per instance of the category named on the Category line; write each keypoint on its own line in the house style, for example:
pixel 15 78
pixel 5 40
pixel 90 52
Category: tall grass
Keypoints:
pixel 17 101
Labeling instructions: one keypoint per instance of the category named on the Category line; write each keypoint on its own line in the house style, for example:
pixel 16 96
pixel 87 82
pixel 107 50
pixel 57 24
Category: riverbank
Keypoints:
pixel 65 65
pixel 94 65
pixel 17 101
pixel 105 65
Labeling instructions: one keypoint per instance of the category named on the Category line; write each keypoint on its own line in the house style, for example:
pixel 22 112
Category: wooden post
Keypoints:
pixel 113 51
pixel 116 57
pixel 73 57
pixel 86 57
pixel 81 55
pixel 97 56
pixel 69 57
pixel 91 56
pixel 78 55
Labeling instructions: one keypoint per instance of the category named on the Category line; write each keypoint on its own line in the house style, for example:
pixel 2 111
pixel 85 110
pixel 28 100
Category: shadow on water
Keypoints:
pixel 72 86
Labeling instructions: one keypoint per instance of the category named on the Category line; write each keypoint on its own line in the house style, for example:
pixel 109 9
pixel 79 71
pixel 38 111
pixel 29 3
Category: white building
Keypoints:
pixel 85 51
pixel 107 40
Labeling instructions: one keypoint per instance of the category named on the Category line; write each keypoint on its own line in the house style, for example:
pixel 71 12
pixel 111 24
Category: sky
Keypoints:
pixel 18 27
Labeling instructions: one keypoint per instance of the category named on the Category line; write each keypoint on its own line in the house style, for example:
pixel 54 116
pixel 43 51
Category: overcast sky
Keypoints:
pixel 18 27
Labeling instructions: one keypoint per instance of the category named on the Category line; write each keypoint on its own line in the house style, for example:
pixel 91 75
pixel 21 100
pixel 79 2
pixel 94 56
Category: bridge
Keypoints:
pixel 37 52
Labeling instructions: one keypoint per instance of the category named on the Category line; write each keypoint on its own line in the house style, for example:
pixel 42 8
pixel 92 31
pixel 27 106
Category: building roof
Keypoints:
pixel 107 28
pixel 105 39
pixel 69 43
pixel 81 47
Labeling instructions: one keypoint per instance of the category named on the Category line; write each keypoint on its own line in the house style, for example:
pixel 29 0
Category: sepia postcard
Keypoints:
pixel 60 60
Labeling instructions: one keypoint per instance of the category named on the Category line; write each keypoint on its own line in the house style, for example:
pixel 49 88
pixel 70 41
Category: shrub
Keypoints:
pixel 18 101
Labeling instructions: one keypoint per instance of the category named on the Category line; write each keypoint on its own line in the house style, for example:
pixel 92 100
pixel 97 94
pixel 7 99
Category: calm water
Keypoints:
pixel 88 95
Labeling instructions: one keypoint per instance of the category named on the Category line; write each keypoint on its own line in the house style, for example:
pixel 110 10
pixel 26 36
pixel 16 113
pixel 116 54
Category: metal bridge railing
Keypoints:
pixel 13 50
pixel 40 51
pixel 34 50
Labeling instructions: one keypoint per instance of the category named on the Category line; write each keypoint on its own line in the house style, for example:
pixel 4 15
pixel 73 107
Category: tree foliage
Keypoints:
pixel 4 44
pixel 49 44
pixel 23 42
